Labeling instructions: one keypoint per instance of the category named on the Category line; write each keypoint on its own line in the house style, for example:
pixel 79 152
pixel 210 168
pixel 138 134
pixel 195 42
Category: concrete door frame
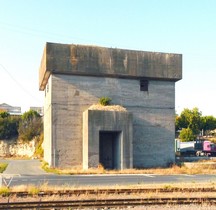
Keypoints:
pixel 95 121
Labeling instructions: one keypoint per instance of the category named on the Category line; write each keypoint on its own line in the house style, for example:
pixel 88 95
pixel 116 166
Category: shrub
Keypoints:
pixel 186 134
pixel 3 166
pixel 105 101
pixel 30 125
pixel 8 125
pixel 4 114
pixel 4 191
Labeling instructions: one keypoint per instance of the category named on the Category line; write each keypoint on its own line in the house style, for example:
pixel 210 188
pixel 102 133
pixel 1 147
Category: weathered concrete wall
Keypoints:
pixel 17 149
pixel 95 121
pixel 109 62
pixel 154 137
pixel 153 117
pixel 48 140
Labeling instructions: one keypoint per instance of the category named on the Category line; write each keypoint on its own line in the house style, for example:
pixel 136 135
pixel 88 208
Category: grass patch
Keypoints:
pixel 4 191
pixel 33 190
pixel 48 169
pixel 174 169
pixel 3 166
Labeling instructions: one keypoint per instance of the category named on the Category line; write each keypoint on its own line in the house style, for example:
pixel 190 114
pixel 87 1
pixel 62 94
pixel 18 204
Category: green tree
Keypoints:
pixel 189 123
pixel 191 119
pixel 208 124
pixel 187 134
pixel 30 125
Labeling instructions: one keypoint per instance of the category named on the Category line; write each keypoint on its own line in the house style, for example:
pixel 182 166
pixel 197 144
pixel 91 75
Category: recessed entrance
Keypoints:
pixel 109 149
pixel 107 139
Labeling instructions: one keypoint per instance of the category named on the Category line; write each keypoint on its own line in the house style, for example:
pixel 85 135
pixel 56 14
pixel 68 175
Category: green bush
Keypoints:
pixel 4 114
pixel 3 166
pixel 105 101
pixel 25 127
pixel 186 134
pixel 4 191
pixel 30 125
pixel 8 125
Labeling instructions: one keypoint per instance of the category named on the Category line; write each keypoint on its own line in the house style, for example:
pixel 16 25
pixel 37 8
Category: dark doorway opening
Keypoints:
pixel 109 149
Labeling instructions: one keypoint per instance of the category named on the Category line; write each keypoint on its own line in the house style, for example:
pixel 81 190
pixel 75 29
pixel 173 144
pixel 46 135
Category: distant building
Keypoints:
pixel 37 109
pixel 13 110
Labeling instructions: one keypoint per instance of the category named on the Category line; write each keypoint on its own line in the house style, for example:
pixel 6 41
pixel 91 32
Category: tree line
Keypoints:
pixel 24 127
pixel 190 124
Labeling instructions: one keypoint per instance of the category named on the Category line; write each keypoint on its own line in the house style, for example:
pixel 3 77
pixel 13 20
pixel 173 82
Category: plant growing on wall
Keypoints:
pixel 39 151
pixel 105 101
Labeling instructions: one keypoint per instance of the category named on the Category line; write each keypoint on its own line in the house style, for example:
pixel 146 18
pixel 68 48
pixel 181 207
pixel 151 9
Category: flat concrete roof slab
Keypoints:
pixel 107 62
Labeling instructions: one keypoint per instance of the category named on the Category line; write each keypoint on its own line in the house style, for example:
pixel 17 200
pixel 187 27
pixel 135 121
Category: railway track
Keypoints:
pixel 110 203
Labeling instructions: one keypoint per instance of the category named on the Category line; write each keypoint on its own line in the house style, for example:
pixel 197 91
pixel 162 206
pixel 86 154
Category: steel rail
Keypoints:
pixel 106 203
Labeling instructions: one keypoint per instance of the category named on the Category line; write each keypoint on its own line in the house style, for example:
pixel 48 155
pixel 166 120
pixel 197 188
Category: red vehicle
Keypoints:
pixel 205 148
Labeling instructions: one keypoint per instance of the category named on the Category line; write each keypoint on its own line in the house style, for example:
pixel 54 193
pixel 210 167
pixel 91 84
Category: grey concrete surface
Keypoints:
pixel 101 61
pixel 108 180
pixel 23 167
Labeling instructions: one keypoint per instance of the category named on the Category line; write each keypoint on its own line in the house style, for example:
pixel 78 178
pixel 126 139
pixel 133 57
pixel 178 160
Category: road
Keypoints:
pixel 23 167
pixel 104 180
pixel 24 172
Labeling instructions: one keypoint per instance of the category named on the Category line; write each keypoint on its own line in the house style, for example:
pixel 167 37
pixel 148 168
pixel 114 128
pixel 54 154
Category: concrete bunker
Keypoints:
pixel 73 77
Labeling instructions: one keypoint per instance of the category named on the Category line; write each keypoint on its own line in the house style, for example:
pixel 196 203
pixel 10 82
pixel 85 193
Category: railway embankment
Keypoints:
pixel 112 198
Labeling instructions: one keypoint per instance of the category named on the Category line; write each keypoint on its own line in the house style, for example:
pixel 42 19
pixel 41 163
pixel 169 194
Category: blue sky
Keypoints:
pixel 187 27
